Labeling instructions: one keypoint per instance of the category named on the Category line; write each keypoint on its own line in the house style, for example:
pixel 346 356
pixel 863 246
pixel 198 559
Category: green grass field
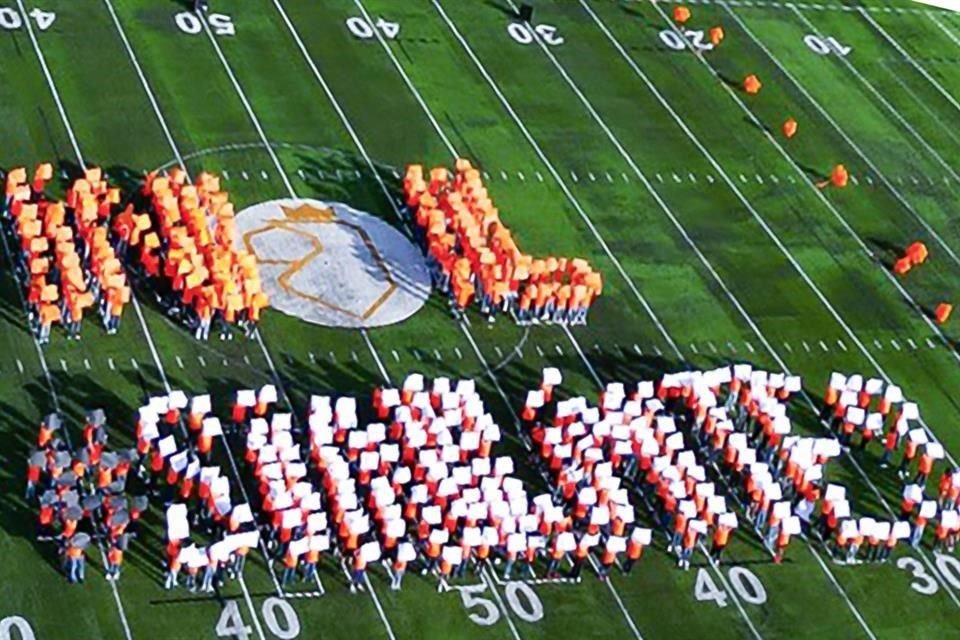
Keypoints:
pixel 600 139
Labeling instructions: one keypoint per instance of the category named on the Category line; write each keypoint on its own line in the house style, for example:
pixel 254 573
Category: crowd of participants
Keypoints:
pixel 475 260
pixel 184 242
pixel 411 479
pixel 668 438
pixel 65 260
pixel 81 495
pixel 73 256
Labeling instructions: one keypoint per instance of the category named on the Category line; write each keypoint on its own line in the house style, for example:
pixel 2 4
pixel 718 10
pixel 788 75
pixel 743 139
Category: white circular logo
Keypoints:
pixel 332 265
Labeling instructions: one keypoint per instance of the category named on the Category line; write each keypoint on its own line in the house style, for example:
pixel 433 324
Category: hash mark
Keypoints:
pixel 913 345
pixel 823 345
pixel 786 345
pixel 111 365
pixel 732 346
pixel 456 350
pixel 930 343
pixel 539 350
pixel 749 346
pixel 436 354
pixel 636 348
pixel 86 364
pixel 133 361
pixel 841 345
pixel 20 365
pixel 806 347
pixel 203 362
pixel 878 345
pixel 396 356
pixel 656 350
pixel 558 349
pixel 179 362
pixel 63 364
pixel 895 344
pixel 712 346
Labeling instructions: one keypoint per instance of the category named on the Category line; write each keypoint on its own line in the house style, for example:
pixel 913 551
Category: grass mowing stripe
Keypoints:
pixel 896 45
pixel 789 256
pixel 817 291
pixel 843 134
pixel 560 181
pixel 880 97
pixel 840 218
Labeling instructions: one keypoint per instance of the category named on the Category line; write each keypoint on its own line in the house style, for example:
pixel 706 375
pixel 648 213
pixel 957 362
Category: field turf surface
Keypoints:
pixel 598 140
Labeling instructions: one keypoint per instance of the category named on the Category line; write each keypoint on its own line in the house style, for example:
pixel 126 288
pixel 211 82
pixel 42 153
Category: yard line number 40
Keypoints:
pixel 10 20
pixel 281 620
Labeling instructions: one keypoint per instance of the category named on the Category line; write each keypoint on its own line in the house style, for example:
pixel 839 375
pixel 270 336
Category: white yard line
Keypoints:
pixel 560 181
pixel 292 193
pixel 846 598
pixel 816 290
pixel 913 63
pixel 43 360
pixel 503 609
pixel 747 204
pixel 889 107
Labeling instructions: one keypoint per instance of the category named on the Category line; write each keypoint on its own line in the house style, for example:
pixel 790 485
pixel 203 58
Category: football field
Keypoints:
pixel 602 132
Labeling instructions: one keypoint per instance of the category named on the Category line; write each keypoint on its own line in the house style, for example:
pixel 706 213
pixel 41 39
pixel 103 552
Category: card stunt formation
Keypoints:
pixel 475 475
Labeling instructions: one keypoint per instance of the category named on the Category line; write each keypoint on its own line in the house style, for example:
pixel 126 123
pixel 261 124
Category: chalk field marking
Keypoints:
pixel 744 201
pixel 43 361
pixel 843 222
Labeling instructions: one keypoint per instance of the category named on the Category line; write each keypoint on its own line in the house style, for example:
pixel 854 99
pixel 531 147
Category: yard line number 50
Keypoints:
pixel 523 601
pixel 189 23
pixel 281 620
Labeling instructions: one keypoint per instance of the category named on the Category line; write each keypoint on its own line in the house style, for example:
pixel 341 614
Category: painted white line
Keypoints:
pixel 903 122
pixel 723 175
pixel 799 171
pixel 380 611
pixel 552 170
pixel 896 45
pixel 619 601
pixel 503 608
